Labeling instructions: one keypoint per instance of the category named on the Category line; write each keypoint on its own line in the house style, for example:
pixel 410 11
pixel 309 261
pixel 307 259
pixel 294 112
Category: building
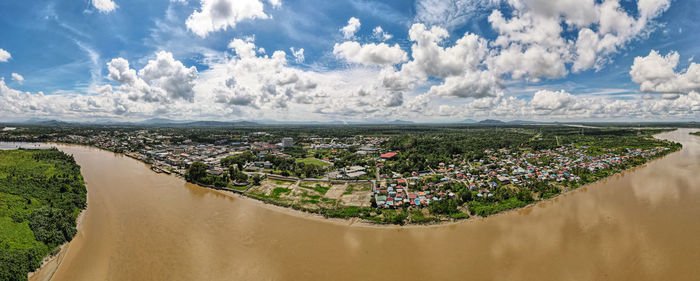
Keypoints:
pixel 287 142
pixel 388 155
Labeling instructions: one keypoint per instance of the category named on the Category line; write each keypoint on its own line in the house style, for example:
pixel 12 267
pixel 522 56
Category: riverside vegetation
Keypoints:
pixel 41 194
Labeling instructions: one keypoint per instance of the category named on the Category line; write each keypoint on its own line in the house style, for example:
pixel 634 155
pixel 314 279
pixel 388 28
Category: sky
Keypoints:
pixel 350 60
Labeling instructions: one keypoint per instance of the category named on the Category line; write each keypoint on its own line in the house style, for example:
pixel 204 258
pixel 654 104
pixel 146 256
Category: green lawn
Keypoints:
pixel 313 161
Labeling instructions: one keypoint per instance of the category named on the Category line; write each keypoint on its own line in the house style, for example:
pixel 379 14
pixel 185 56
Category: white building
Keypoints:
pixel 287 142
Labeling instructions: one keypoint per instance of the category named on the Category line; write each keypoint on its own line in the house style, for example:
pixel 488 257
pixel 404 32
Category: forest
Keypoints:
pixel 41 194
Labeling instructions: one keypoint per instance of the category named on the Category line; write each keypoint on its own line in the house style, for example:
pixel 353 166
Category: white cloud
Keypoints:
pixel 530 42
pixel 450 13
pixel 4 55
pixel 275 3
pixel 656 73
pixel 394 99
pixel 430 59
pixel 370 54
pixel 545 100
pixel 217 15
pixel 384 81
pixel 476 84
pixel 379 34
pixel 351 28
pixel 18 78
pixel 460 67
pixel 298 54
pixel 161 80
pixel 104 6
pixel 561 105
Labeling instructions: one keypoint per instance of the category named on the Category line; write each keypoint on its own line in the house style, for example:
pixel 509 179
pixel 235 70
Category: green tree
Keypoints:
pixel 256 180
pixel 196 171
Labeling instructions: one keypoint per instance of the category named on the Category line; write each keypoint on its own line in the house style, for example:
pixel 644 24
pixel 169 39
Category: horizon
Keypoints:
pixel 420 61
pixel 164 122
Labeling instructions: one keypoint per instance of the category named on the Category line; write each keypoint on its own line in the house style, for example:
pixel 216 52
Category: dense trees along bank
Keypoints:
pixel 41 194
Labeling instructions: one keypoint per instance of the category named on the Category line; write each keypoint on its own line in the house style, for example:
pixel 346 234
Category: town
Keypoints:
pixel 381 177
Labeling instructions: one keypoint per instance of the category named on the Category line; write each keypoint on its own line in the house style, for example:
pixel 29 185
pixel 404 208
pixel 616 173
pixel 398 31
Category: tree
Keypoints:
pixel 256 180
pixel 196 171
pixel 444 206
pixel 240 177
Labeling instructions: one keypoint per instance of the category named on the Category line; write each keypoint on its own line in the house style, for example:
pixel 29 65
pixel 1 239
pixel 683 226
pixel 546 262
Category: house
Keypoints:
pixel 388 155
pixel 503 179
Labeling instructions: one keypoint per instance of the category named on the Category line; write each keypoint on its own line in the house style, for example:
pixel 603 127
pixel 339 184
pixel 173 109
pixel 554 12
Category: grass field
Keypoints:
pixel 318 187
pixel 313 161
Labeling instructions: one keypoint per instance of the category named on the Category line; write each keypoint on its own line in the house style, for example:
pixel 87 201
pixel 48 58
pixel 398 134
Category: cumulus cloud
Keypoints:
pixel 215 15
pixel 351 28
pixel 18 78
pixel 656 73
pixel 531 45
pixel 476 84
pixel 268 84
pixel 431 59
pixel 549 101
pixel 104 6
pixel 394 99
pixel 248 79
pixel 561 105
pixel 370 54
pixel 460 67
pixel 4 55
pixel 161 80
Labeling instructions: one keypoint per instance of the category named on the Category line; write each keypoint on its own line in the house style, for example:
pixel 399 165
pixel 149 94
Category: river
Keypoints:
pixel 642 224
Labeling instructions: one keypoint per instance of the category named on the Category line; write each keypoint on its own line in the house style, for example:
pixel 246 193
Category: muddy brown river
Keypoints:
pixel 643 224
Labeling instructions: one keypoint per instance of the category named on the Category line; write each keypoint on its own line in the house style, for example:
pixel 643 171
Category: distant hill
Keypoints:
pixel 217 124
pixel 160 121
pixel 491 122
pixel 522 122
pixel 44 122
pixel 399 122
pixel 468 121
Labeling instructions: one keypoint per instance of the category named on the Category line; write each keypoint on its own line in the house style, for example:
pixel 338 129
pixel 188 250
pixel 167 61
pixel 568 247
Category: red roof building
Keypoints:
pixel 388 155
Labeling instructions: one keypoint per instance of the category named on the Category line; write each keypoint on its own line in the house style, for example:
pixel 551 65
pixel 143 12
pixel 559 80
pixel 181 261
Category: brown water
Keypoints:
pixel 641 225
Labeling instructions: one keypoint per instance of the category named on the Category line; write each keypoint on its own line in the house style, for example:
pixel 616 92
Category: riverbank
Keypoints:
pixel 357 221
pixel 50 263
pixel 299 211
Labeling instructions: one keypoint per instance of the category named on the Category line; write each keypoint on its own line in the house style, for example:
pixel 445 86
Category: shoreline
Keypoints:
pixel 50 263
pixel 358 222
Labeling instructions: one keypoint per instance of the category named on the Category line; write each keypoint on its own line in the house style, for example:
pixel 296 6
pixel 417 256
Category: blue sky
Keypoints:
pixel 74 60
